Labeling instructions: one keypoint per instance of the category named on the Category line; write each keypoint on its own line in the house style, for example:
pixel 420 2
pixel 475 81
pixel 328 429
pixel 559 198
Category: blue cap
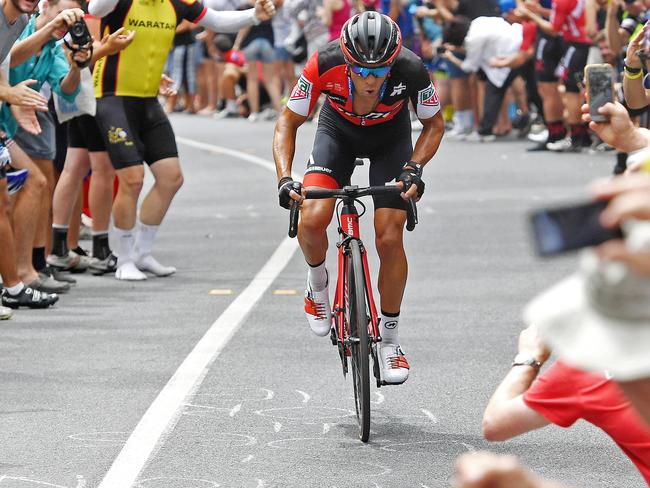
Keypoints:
pixel 507 5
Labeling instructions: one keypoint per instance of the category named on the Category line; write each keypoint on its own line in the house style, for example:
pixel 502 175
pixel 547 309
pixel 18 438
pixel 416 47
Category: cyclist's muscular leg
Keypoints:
pixel 312 235
pixel 393 269
pixel 316 216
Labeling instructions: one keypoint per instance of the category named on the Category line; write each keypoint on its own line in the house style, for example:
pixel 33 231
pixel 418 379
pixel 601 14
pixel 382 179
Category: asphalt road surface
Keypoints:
pixel 212 378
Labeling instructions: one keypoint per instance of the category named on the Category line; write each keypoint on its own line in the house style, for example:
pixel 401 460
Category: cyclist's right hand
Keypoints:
pixel 289 190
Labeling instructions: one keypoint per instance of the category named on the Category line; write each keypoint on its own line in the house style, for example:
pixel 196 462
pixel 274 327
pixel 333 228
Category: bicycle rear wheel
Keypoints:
pixel 358 321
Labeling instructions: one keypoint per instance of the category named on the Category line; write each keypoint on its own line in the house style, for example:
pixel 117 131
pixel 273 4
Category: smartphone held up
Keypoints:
pixel 562 229
pixel 599 79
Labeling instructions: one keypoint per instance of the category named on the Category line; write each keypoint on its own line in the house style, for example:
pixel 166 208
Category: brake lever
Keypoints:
pixel 294 212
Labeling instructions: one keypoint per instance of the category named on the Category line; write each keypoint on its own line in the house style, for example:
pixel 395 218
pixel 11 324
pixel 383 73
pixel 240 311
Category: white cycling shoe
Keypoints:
pixel 393 363
pixel 318 310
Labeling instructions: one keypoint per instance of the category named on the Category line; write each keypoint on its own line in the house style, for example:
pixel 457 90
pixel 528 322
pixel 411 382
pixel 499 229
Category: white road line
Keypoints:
pixel 163 414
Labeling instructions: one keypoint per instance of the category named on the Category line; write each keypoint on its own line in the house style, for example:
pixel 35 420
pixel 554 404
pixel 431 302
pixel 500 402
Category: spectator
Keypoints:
pixel 487 470
pixel 233 71
pixel 334 14
pixel 562 395
pixel 284 70
pixel 182 67
pixel 61 71
pixel 486 38
pixel 24 101
pixel 257 44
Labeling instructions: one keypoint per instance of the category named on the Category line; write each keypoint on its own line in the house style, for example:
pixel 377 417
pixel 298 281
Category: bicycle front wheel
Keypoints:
pixel 358 321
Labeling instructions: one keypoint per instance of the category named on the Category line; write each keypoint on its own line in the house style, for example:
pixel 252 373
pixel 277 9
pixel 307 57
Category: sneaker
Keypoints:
pixel 394 366
pixel 269 114
pixel 564 145
pixel 539 137
pixel 59 275
pixel 476 137
pixel 100 267
pixel 318 310
pixel 457 134
pixel 5 313
pixel 29 298
pixel 254 117
pixel 73 262
pixel 225 114
pixel 47 284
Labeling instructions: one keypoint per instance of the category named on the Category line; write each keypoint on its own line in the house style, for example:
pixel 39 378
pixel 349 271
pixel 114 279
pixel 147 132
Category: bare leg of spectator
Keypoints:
pixel 74 224
pixel 7 248
pixel 43 230
pixel 272 82
pixel 30 208
pixel 253 90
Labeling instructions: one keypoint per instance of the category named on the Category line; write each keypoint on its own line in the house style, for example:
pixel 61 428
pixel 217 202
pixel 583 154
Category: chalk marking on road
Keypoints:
pixel 326 428
pixel 248 458
pixel 165 411
pixel 269 394
pixel 81 481
pixel 380 398
pixel 430 415
pixel 277 427
pixel 261 484
pixel 234 410
pixel 469 447
pixel 305 396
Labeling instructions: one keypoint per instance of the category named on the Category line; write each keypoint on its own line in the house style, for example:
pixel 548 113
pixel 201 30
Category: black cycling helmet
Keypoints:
pixel 371 38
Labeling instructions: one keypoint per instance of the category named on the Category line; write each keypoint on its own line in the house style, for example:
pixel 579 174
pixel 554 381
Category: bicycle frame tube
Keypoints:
pixel 350 229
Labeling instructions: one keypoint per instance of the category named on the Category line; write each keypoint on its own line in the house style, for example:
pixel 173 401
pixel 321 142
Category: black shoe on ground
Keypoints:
pixel 29 298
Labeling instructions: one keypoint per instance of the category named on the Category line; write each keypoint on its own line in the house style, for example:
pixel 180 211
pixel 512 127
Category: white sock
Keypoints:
pixel 317 277
pixel 466 118
pixel 125 240
pixel 144 241
pixel 16 289
pixel 128 271
pixel 388 329
pixel 150 264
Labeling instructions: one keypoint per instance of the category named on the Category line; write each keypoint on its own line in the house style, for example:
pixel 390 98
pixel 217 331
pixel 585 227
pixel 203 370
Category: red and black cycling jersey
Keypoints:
pixel 326 72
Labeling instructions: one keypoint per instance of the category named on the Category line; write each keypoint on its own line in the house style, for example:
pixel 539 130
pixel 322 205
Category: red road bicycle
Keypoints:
pixel 355 322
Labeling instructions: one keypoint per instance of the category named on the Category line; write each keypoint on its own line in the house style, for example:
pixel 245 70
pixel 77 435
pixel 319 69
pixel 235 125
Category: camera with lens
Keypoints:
pixel 441 50
pixel 79 33
pixel 78 38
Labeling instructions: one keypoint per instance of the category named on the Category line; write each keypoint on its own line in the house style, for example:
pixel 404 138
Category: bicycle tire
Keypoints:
pixel 358 321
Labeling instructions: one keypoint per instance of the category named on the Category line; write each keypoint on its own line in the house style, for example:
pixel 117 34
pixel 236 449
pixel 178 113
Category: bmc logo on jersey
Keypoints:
pixel 428 97
pixel 302 89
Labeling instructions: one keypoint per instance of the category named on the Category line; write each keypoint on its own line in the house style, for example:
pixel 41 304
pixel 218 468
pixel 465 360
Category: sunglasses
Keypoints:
pixel 365 72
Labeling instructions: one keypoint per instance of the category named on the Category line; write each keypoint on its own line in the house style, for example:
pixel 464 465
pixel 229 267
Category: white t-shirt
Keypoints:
pixel 490 37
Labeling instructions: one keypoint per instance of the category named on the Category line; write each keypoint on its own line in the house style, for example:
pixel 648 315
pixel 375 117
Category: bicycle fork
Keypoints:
pixel 340 336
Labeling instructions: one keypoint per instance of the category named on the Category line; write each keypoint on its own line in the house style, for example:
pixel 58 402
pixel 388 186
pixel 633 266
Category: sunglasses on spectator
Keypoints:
pixel 365 72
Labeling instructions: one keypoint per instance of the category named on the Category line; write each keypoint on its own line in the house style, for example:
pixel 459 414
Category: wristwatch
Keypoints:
pixel 526 360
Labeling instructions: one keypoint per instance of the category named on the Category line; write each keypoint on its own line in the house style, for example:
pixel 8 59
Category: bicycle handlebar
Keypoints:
pixel 352 192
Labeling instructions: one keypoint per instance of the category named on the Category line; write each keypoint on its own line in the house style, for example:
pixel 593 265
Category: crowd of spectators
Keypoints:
pixel 499 66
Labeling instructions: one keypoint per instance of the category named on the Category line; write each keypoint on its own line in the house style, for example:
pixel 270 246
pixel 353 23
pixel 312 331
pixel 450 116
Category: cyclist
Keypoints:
pixel 368 79
pixel 134 126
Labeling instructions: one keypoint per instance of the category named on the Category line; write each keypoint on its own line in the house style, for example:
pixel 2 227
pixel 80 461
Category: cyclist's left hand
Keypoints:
pixel 411 181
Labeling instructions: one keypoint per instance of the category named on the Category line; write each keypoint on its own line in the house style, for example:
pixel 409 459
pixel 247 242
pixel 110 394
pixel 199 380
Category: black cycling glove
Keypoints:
pixel 285 185
pixel 412 175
